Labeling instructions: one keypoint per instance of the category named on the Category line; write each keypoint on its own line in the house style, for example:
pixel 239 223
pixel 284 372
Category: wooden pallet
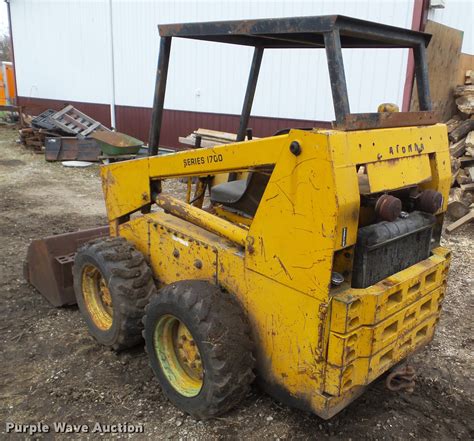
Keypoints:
pixel 75 122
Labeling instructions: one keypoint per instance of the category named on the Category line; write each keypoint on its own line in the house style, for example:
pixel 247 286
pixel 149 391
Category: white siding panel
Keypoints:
pixel 62 49
pixel 457 14
pixel 206 77
pixel 210 77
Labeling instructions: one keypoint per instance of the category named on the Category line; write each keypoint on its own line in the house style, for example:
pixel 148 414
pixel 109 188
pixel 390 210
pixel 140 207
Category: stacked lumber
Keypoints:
pixel 33 138
pixel 208 138
pixel 461 136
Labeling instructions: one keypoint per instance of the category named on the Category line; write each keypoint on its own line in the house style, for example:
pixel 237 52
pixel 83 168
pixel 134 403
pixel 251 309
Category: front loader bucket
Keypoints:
pixel 48 265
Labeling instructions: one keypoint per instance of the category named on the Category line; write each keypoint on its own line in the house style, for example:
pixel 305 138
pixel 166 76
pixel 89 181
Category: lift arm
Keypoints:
pixel 127 184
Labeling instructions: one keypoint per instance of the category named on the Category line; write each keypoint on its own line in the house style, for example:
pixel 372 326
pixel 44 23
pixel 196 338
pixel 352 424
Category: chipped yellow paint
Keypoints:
pixel 363 370
pixel 306 225
pixel 126 187
pixel 366 341
pixel 231 216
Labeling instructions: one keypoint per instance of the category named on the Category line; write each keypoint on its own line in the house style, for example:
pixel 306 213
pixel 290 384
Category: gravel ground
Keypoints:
pixel 52 370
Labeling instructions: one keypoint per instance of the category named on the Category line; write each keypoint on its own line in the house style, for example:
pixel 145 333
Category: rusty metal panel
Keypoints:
pixel 70 148
pixel 365 121
pixel 48 264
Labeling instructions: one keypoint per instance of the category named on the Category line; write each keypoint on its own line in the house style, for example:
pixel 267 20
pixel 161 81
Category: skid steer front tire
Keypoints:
pixel 198 341
pixel 113 284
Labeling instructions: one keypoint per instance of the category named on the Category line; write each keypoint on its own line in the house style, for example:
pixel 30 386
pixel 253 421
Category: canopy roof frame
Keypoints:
pixel 332 32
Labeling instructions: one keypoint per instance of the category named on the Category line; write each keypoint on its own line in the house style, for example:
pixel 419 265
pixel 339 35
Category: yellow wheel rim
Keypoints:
pixel 97 297
pixel 178 355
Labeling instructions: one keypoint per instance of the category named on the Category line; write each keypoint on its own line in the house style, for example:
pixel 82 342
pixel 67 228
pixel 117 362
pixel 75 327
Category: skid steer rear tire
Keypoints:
pixel 218 328
pixel 124 275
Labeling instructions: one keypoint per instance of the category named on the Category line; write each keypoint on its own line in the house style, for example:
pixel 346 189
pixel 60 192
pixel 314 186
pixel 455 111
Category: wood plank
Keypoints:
pixel 207 133
pixel 192 142
pixel 456 150
pixel 216 134
pixel 461 131
pixel 466 104
pixel 453 123
pixel 443 54
pixel 470 140
pixel 467 187
pixel 463 90
pixel 467 218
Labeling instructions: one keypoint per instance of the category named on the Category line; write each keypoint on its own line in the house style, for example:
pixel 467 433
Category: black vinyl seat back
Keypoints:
pixel 242 196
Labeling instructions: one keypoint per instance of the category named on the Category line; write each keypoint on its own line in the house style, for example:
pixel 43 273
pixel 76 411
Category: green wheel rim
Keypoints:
pixel 178 355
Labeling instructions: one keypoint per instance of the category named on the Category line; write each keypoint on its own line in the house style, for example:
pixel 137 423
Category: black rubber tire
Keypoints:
pixel 130 283
pixel 222 334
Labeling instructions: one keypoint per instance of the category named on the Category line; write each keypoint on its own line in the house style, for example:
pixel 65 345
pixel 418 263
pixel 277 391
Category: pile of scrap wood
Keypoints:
pixel 33 138
pixel 461 137
pixel 210 138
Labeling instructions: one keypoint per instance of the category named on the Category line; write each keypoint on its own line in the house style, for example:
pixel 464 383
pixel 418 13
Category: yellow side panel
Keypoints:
pixel 126 186
pixel 398 173
pixel 175 249
pixel 286 325
pixel 176 256
pixel 294 229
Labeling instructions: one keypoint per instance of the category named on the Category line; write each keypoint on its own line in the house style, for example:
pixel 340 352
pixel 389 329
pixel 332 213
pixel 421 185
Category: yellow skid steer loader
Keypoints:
pixel 315 265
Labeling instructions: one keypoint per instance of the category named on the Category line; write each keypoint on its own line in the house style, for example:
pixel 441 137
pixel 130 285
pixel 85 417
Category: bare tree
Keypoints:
pixel 5 48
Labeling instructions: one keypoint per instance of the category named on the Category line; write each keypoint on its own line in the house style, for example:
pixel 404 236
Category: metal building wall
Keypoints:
pixel 209 77
pixel 62 53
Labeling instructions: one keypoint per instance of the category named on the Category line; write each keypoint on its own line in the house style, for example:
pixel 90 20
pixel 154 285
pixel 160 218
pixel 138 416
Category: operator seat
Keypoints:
pixel 243 195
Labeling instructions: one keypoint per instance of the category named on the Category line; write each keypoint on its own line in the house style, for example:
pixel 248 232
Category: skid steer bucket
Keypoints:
pixel 48 264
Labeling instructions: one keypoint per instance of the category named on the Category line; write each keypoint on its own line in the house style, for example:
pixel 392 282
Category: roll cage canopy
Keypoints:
pixel 332 32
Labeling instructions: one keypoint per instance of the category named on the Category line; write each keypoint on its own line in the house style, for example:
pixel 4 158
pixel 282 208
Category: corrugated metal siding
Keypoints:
pixel 71 59
pixel 457 14
pixel 209 77
pixel 34 106
pixel 62 49
pixel 178 123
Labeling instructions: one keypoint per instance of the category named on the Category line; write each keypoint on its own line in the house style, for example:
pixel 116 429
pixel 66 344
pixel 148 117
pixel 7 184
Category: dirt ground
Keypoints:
pixel 51 369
